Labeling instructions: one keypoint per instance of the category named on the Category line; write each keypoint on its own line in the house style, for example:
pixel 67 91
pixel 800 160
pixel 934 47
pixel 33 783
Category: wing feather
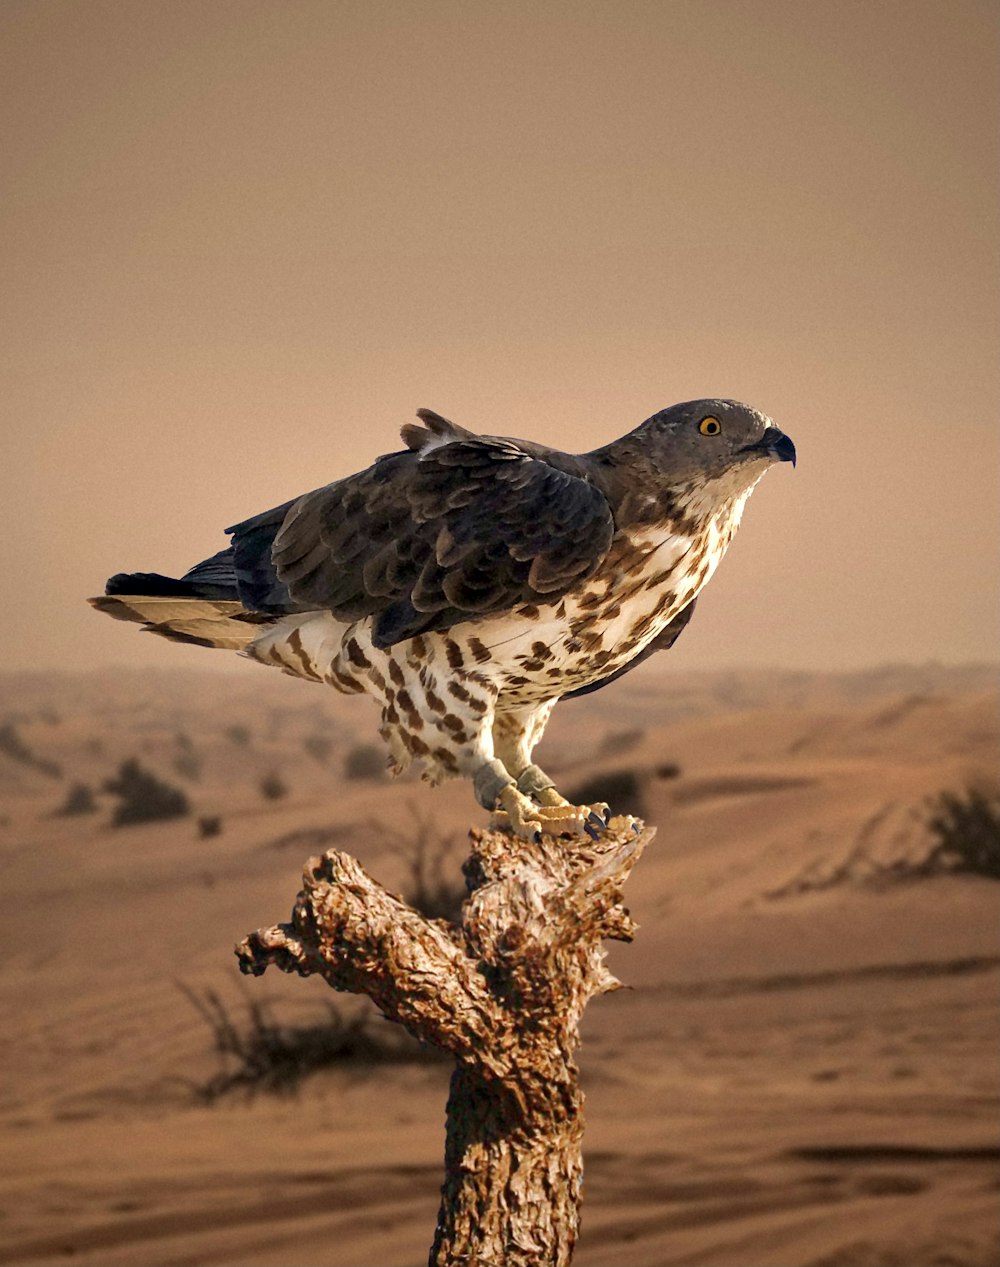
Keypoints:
pixel 458 525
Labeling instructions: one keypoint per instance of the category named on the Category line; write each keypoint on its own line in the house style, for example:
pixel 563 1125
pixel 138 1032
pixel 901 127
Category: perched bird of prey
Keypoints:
pixel 470 581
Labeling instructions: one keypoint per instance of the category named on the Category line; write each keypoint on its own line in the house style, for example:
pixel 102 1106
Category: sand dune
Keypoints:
pixel 802 1075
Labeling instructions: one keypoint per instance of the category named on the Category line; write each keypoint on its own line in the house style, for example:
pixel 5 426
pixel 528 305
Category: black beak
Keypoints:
pixel 775 444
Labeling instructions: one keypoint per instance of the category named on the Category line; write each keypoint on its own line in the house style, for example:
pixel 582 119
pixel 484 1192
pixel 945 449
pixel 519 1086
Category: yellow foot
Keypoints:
pixel 555 818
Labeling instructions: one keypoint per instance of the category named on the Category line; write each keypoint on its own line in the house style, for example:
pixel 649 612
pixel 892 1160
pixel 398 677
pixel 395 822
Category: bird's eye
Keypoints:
pixel 710 426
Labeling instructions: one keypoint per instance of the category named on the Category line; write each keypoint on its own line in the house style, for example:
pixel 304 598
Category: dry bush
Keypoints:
pixel 319 747
pixel 79 800
pixel 365 761
pixel 619 741
pixel 259 1054
pixel 14 747
pixel 239 735
pixel 966 831
pixel 436 887
pixel 209 825
pixel 272 786
pixel 143 797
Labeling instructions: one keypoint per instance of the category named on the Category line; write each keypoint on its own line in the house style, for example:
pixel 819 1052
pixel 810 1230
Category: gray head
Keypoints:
pixel 713 439
pixel 694 459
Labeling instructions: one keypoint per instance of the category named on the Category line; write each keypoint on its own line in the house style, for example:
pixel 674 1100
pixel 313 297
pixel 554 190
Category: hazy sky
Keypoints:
pixel 243 241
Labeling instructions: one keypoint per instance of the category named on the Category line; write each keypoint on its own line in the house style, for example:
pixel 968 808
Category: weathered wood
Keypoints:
pixel 504 992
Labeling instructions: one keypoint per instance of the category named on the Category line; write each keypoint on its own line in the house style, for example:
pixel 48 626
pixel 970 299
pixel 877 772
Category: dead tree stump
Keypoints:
pixel 503 992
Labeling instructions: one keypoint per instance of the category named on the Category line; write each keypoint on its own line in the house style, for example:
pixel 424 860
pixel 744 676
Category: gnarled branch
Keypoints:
pixel 504 992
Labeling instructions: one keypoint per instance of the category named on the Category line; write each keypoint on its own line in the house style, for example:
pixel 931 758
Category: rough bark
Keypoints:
pixel 503 992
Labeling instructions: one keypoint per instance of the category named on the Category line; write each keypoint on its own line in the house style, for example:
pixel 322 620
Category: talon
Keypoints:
pixel 592 832
pixel 597 819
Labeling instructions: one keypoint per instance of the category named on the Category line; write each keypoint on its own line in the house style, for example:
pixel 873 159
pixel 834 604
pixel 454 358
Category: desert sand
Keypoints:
pixel 802 1073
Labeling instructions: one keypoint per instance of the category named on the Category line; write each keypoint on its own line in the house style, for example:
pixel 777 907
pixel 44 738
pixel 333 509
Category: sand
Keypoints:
pixel 802 1073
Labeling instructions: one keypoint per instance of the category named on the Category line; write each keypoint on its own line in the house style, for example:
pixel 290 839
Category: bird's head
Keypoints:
pixel 697 459
pixel 714 440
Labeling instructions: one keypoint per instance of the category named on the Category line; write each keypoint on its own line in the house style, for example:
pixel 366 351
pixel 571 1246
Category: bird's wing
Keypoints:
pixel 663 641
pixel 458 527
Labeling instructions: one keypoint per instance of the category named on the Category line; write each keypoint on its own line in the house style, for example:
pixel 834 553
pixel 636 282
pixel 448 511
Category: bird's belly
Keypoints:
pixel 602 624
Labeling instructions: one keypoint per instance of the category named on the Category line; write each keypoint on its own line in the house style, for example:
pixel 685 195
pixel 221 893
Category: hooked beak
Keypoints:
pixel 775 444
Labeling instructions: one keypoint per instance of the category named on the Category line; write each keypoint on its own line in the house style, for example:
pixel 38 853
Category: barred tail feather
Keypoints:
pixel 205 622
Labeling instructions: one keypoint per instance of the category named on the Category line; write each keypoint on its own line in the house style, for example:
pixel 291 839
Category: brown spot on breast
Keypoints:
pixel 532 666
pixel 459 691
pixel 454 653
pixel 356 655
pixel 396 673
pixel 377 680
pixel 480 653
pixel 541 651
pixel 591 641
pixel 419 647
pixel 405 701
pixel 454 724
pixel 590 600
pixel 447 759
pixel 529 611
pixel 417 746
pixel 434 701
pixel 611 612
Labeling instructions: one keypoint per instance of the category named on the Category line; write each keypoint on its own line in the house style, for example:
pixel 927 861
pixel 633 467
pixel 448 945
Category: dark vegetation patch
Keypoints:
pixel 365 761
pixel 143 798
pixel 79 800
pixel 272 786
pixel 961 833
pixel 259 1054
pixel 13 746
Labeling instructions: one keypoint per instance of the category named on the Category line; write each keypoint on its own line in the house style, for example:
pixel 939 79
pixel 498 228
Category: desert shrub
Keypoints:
pixel 188 764
pixel 209 825
pixel 79 800
pixel 319 747
pixel 272 786
pixel 965 827
pixel 365 761
pixel 620 789
pixel 14 746
pixel 668 770
pixel 239 735
pixel 261 1054
pixel 619 741
pixel 430 890
pixel 435 885
pixel 143 797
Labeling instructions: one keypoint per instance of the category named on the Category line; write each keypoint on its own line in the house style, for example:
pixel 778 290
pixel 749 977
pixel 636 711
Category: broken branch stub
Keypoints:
pixel 504 992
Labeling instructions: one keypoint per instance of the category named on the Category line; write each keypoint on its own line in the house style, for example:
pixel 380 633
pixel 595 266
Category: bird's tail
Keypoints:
pixel 169 608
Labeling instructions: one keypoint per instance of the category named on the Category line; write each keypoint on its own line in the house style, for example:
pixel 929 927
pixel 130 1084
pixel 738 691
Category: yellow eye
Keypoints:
pixel 710 426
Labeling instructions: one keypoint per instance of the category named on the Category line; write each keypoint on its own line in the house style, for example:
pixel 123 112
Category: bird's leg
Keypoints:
pixel 534 782
pixel 532 803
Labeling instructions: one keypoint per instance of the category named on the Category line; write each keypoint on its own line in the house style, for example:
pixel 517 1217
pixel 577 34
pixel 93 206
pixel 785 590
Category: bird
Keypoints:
pixel 469 582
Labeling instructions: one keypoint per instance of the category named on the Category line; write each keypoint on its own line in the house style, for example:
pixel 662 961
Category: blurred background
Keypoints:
pixel 243 241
